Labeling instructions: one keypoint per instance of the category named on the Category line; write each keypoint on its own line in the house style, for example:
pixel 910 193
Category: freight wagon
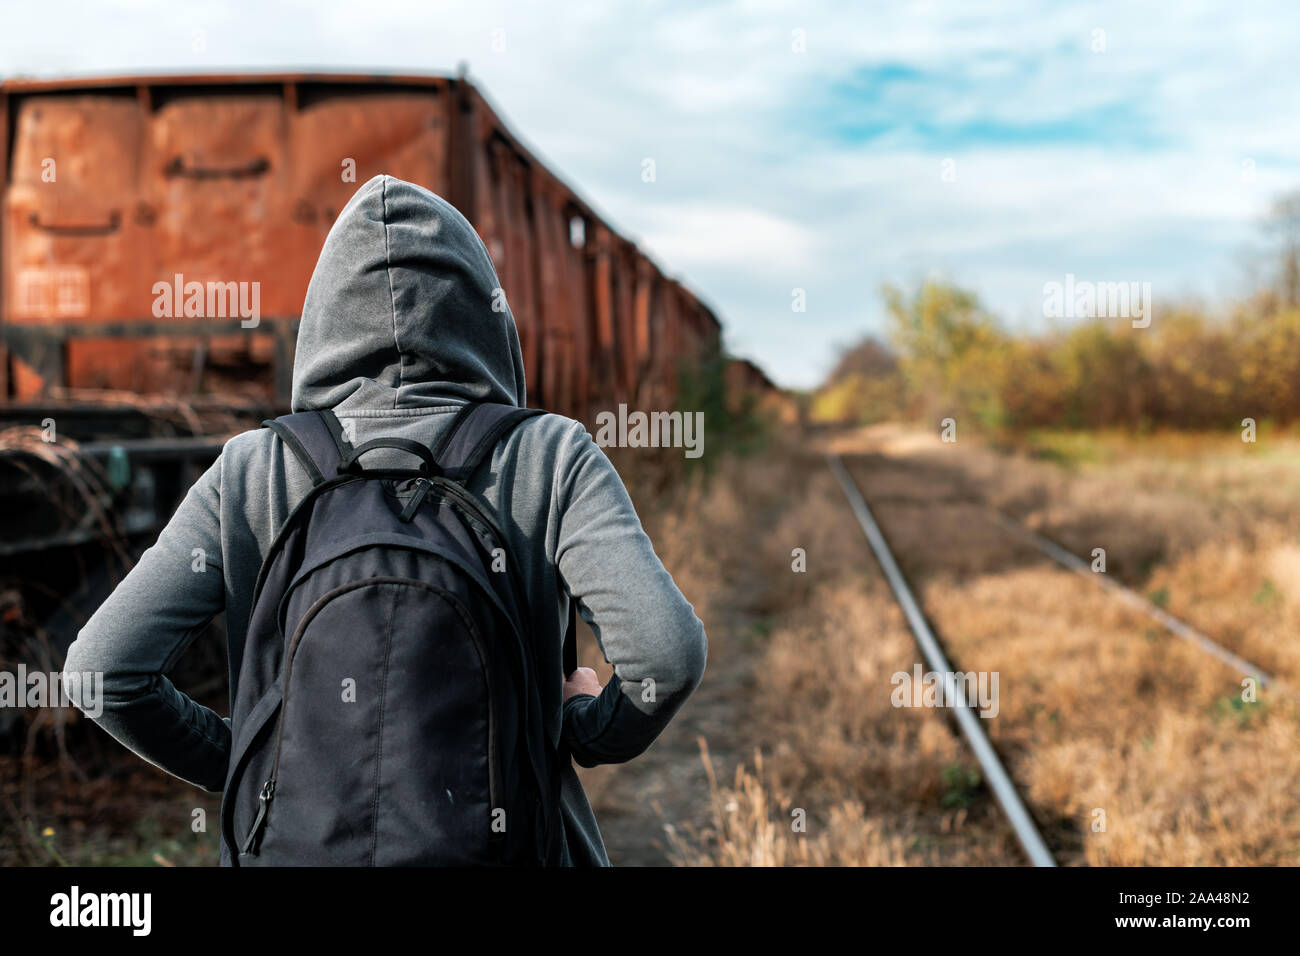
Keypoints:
pixel 115 188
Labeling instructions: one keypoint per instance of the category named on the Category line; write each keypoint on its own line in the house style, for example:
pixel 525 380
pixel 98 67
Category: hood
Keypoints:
pixel 400 310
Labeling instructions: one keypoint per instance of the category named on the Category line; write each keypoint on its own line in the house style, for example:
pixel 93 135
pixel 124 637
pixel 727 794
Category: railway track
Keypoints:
pixel 995 773
pixel 1004 790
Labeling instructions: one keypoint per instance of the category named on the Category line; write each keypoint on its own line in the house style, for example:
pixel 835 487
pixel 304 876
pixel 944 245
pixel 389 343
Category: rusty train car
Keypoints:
pixel 111 186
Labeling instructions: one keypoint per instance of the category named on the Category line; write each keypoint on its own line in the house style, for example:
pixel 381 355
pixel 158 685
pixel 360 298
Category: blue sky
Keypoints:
pixel 822 169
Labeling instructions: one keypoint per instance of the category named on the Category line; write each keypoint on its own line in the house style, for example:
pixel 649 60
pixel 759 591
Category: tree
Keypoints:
pixel 868 357
pixel 1283 225
pixel 952 350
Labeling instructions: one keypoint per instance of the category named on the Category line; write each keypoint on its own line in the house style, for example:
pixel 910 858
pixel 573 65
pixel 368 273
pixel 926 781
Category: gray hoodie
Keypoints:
pixel 403 322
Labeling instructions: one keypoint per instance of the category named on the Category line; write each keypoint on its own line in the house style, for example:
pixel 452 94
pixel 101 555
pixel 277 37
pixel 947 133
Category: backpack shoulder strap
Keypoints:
pixel 472 435
pixel 469 439
pixel 316 440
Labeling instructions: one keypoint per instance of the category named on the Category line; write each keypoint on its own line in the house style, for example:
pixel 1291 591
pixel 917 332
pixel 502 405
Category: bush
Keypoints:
pixel 1186 370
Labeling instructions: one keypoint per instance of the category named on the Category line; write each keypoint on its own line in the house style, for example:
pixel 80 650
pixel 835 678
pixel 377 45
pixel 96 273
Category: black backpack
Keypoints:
pixel 387 709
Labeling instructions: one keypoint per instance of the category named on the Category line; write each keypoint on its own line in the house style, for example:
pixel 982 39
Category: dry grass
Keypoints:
pixel 1101 709
pixel 873 785
pixel 749 829
pixel 1102 712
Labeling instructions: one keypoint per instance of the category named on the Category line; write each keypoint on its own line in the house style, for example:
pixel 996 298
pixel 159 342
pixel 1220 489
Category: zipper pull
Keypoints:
pixel 422 486
pixel 264 799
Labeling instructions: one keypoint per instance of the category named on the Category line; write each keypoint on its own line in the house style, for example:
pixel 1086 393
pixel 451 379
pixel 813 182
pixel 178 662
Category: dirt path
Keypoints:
pixel 668 786
pixel 712 543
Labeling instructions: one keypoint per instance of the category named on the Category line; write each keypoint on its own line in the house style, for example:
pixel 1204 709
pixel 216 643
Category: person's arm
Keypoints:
pixel 644 625
pixel 138 634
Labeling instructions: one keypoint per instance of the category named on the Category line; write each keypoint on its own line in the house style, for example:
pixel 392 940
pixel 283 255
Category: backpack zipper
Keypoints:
pixel 527 648
pixel 422 486
pixel 264 802
pixel 268 789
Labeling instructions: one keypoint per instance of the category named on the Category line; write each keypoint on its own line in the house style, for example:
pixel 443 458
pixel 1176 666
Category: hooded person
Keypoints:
pixel 402 324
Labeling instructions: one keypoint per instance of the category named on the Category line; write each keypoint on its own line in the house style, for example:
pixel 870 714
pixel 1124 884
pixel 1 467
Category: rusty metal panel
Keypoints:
pixel 645 274
pixel 341 139
pixel 579 308
pixel 604 378
pixel 508 234
pixel 625 272
pixel 216 182
pixel 72 230
pixel 660 365
pixel 604 293
pixel 216 175
pixel 464 159
pixel 552 248
pixel 674 338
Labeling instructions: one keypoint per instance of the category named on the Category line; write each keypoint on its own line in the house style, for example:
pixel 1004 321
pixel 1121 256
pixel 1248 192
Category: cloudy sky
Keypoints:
pixel 829 147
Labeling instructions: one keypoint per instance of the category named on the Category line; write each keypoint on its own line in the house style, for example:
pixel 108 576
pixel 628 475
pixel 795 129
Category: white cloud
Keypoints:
pixel 739 238
pixel 753 184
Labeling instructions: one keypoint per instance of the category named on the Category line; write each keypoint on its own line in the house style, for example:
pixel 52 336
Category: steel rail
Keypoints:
pixel 999 780
pixel 1136 601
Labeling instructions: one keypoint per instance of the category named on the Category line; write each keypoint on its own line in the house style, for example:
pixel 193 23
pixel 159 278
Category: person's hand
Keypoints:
pixel 582 681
